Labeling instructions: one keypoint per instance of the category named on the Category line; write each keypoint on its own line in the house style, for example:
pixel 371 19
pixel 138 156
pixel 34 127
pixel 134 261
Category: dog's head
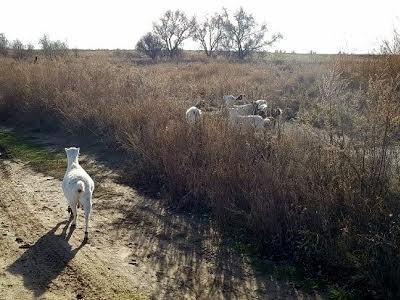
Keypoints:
pixel 72 152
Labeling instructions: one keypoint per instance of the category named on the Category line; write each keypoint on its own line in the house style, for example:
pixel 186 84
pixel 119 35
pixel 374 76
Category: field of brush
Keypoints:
pixel 323 190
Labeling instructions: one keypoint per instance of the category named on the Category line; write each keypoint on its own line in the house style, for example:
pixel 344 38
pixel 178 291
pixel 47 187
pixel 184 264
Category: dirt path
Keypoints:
pixel 137 248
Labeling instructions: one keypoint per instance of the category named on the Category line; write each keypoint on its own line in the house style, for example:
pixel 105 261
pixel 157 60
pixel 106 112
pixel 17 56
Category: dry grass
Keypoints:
pixel 324 191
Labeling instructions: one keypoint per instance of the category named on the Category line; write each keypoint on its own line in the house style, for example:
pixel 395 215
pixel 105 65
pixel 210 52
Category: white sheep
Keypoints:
pixel 242 110
pixel 78 187
pixel 262 110
pixel 193 115
pixel 276 113
pixel 261 102
pixel 257 107
pixel 229 100
pixel 250 121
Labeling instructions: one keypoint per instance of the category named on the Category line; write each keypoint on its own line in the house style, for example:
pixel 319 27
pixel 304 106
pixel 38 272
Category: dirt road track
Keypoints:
pixel 137 248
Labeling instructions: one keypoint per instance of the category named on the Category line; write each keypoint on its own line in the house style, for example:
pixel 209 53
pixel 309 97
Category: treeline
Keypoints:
pixel 236 34
pixel 19 50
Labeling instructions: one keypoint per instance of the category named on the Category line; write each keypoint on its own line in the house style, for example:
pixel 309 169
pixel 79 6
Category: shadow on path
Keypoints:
pixel 46 259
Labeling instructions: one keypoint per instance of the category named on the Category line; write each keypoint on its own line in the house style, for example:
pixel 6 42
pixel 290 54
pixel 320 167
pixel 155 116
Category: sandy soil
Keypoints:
pixel 137 248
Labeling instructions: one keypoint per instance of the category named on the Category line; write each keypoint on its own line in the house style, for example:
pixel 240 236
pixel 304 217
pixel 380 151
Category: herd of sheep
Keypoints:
pixel 257 114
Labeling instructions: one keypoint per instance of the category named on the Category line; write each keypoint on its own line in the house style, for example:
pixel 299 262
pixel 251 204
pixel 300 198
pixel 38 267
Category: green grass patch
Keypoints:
pixel 337 293
pixel 52 163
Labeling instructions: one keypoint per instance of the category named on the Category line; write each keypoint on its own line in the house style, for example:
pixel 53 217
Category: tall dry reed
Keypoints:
pixel 324 191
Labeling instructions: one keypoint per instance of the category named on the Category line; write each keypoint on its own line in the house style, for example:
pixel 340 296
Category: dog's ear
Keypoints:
pixel 79 149
pixel 66 149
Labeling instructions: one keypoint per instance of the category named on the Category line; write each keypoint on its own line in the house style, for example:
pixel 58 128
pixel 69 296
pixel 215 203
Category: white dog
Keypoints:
pixel 193 115
pixel 78 187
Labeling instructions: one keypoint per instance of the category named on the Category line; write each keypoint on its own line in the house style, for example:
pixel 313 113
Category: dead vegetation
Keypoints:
pixel 325 191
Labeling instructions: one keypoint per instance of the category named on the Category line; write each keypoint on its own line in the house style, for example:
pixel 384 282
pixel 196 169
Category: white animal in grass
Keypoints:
pixel 193 115
pixel 261 102
pixel 78 187
pixel 262 108
pixel 253 108
pixel 276 112
pixel 277 115
pixel 229 100
pixel 242 110
pixel 250 121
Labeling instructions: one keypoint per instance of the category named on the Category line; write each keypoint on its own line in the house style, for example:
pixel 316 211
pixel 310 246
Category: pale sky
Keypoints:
pixel 324 26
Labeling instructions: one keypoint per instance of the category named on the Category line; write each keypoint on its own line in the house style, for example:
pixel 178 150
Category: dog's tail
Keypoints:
pixel 80 185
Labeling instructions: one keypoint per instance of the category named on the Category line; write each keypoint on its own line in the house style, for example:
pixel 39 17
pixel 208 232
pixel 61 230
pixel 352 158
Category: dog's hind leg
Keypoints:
pixel 87 207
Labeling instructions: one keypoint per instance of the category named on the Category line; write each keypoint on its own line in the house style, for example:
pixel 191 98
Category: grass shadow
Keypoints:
pixel 192 258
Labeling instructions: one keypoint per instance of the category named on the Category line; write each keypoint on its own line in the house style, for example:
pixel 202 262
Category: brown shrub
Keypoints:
pixel 326 190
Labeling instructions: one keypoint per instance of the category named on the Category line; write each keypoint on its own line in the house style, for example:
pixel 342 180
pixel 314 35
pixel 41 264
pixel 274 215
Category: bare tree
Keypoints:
pixel 30 50
pixel 391 47
pixel 173 29
pixel 53 48
pixel 60 48
pixel 150 45
pixel 244 36
pixel 18 49
pixel 3 44
pixel 46 45
pixel 210 33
